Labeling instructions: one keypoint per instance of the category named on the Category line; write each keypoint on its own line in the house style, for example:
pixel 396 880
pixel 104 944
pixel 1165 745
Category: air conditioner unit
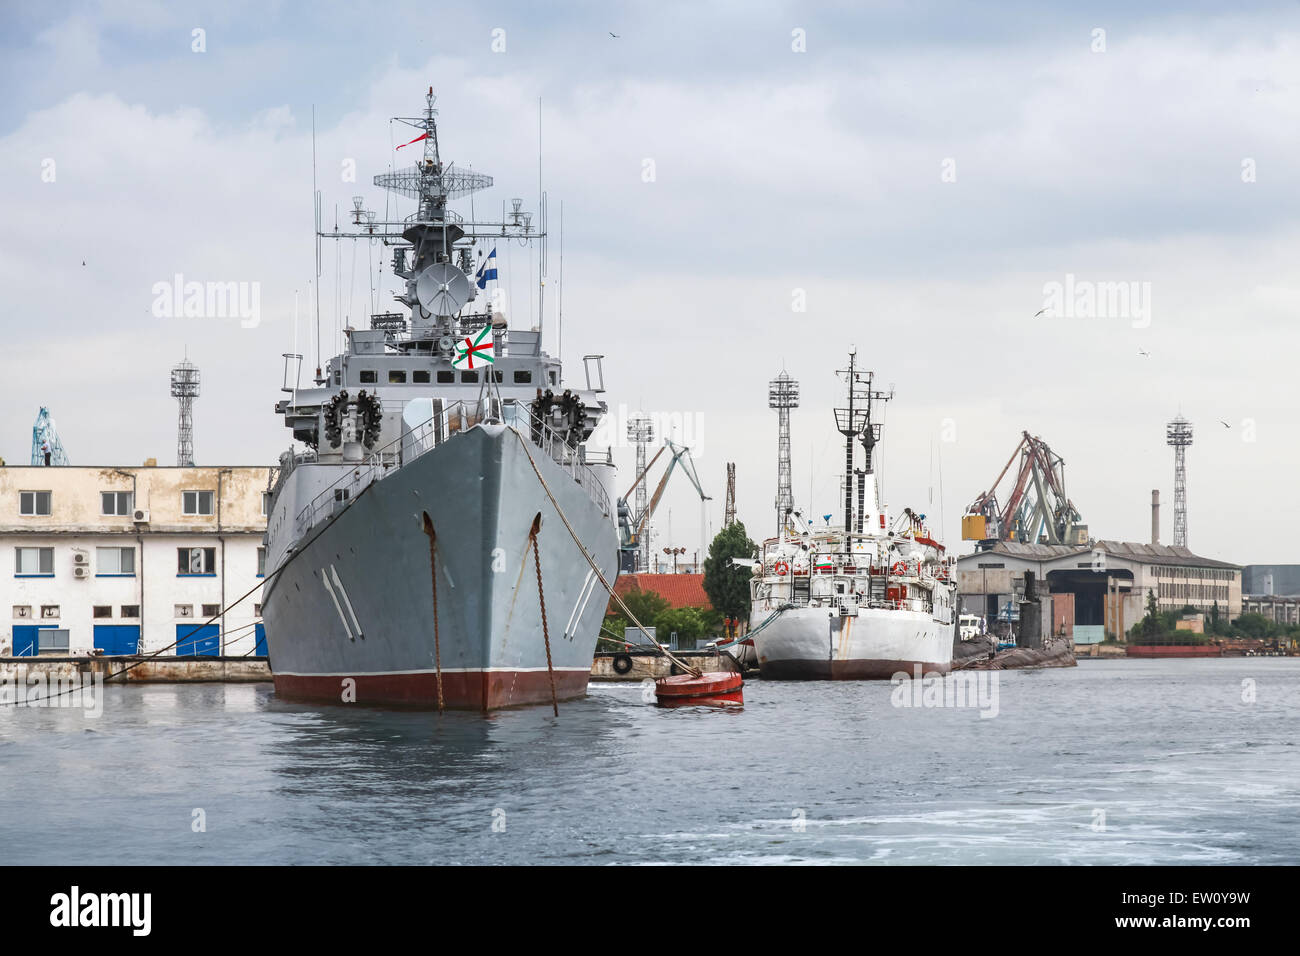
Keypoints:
pixel 141 516
pixel 80 558
pixel 81 571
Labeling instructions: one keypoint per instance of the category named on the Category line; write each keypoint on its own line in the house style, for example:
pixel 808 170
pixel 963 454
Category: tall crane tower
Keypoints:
pixel 185 388
pixel 783 395
pixel 729 511
pixel 1178 434
pixel 46 437
pixel 641 432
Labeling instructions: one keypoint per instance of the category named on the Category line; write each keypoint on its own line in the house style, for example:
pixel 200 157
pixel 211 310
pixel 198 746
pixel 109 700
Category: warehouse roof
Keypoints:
pixel 1130 550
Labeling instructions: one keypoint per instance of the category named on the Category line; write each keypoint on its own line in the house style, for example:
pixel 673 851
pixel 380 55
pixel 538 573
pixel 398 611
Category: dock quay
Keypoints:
pixel 638 665
pixel 136 670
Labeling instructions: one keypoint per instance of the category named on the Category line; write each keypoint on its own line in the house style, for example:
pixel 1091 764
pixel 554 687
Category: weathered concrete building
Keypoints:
pixel 1109 582
pixel 131 559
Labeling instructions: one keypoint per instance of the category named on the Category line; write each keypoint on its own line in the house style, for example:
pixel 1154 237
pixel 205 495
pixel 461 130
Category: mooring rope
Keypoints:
pixel 694 671
pixel 541 598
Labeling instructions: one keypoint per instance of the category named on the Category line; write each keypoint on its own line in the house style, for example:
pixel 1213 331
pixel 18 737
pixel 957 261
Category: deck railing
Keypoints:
pixel 445 424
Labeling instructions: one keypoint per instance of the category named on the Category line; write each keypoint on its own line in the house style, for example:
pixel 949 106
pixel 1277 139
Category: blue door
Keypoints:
pixel 117 639
pixel 260 649
pixel 25 639
pixel 194 641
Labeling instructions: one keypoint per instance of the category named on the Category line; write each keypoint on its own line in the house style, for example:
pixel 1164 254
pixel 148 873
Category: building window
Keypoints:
pixel 49 611
pixel 116 503
pixel 523 376
pixel 445 377
pixel 211 610
pixel 196 502
pixel 115 560
pixel 554 378
pixel 369 377
pixel 266 503
pixel 196 561
pixel 22 611
pixel 33 502
pixel 34 561
pixel 396 376
pixel 468 376
pixel 130 610
pixel 102 610
pixel 183 610
pixel 261 562
pixel 420 376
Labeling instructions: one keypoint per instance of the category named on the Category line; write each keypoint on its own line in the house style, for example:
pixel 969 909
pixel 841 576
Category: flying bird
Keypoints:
pixel 614 35
pixel 1039 312
pixel 1224 424
pixel 1144 352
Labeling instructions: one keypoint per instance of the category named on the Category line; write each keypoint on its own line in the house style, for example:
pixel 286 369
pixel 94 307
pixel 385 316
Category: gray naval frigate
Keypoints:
pixel 440 444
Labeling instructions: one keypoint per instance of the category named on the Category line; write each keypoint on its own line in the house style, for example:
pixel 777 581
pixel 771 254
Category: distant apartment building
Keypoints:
pixel 132 560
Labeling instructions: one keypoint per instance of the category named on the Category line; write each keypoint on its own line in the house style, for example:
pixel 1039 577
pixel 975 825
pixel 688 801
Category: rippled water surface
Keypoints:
pixel 1109 762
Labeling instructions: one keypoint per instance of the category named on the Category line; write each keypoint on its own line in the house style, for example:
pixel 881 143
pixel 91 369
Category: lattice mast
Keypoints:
pixel 185 388
pixel 641 432
pixel 729 511
pixel 783 395
pixel 1178 434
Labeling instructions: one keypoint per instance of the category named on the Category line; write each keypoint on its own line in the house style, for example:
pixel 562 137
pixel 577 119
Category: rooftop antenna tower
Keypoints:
pixel 1178 434
pixel 783 395
pixel 185 388
pixel 641 432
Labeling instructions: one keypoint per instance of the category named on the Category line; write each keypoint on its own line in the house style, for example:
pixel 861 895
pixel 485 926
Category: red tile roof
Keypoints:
pixel 680 590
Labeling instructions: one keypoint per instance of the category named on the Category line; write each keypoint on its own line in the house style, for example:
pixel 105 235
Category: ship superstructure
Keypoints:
pixel 867 599
pixel 418 488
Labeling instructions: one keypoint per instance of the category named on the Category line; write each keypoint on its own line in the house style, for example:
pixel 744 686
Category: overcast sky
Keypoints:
pixel 917 176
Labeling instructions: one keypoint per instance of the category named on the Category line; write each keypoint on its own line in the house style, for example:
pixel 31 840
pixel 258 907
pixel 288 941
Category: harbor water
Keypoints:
pixel 1125 762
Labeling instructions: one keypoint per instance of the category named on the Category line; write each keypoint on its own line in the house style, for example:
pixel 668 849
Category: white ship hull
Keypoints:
pixel 814 643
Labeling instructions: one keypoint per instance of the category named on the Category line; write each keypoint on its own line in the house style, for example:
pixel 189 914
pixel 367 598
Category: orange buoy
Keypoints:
pixel 716 688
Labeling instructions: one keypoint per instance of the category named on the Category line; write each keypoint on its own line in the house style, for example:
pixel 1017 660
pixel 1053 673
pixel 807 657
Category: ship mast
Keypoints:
pixel 854 421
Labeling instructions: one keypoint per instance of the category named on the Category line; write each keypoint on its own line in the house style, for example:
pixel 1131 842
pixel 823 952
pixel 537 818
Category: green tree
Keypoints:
pixel 728 587
pixel 1254 625
pixel 687 622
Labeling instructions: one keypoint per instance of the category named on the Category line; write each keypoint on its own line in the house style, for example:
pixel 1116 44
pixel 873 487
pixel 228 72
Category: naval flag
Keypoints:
pixel 488 270
pixel 479 347
pixel 416 140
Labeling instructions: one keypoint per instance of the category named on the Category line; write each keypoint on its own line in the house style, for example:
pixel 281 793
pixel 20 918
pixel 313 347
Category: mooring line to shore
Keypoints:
pixel 694 671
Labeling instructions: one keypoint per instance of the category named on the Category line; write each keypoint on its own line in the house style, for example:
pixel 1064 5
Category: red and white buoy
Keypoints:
pixel 712 688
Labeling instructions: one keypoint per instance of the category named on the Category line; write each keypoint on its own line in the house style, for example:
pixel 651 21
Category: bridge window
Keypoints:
pixel 397 377
pixel 420 377
pixel 523 376
pixel 468 376
pixel 446 378
pixel 369 376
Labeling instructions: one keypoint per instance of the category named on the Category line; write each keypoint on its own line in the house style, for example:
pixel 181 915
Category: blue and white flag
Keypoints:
pixel 488 269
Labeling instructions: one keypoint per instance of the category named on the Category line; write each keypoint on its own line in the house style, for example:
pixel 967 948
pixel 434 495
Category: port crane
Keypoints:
pixel 1037 510
pixel 631 526
pixel 44 433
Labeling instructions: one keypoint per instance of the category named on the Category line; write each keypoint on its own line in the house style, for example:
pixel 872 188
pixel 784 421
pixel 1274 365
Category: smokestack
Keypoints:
pixel 1155 516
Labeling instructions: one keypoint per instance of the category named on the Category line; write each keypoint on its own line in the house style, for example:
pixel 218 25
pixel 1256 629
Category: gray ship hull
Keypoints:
pixel 350 613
